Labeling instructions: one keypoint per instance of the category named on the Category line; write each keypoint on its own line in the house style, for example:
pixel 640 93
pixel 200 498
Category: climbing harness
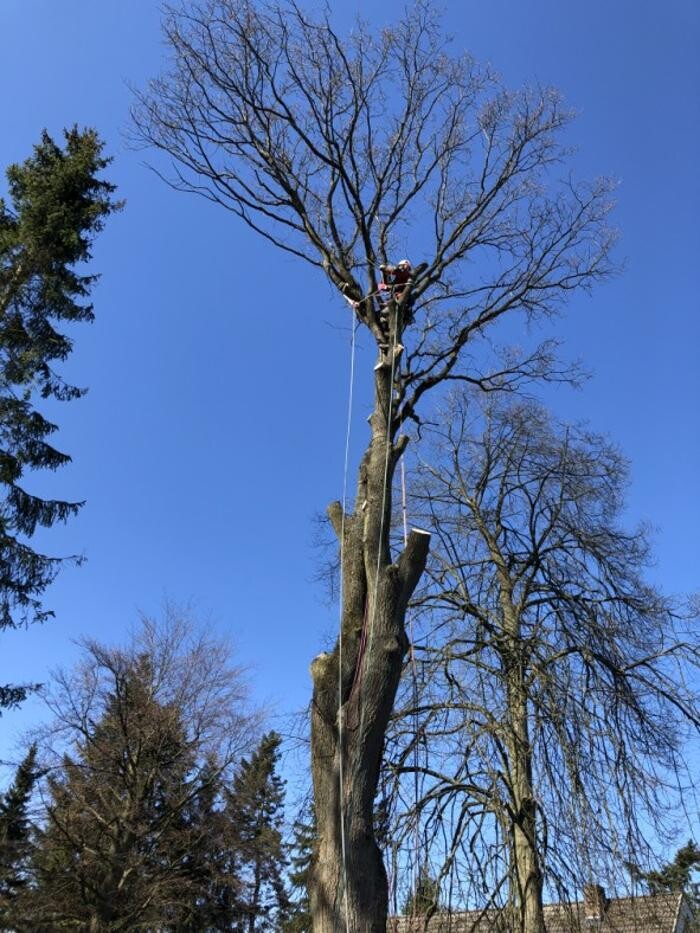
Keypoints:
pixel 385 292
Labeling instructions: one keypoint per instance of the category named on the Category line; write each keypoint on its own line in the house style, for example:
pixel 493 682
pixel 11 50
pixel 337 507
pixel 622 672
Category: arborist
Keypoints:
pixel 395 278
pixel 396 281
pixel 391 293
pixel 395 301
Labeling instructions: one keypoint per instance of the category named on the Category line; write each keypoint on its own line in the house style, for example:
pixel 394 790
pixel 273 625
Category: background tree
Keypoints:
pixel 676 875
pixel 141 738
pixel 57 204
pixel 554 691
pixel 254 810
pixel 15 830
pixel 345 152
pixel 301 854
pixel 424 900
pixel 212 905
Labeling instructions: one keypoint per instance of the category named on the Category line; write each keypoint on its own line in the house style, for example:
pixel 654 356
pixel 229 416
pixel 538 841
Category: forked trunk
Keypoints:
pixel 354 688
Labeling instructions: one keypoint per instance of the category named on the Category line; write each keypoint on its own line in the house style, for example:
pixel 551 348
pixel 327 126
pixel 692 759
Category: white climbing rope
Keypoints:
pixel 384 494
pixel 404 510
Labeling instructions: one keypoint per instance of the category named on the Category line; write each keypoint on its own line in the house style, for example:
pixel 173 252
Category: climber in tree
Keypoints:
pixel 395 278
pixel 395 281
pixel 391 294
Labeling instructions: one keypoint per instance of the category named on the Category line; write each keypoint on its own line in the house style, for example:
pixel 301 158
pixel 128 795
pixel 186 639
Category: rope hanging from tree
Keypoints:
pixel 368 622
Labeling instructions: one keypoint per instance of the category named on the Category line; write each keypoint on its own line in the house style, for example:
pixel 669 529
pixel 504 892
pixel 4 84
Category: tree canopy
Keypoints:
pixel 541 729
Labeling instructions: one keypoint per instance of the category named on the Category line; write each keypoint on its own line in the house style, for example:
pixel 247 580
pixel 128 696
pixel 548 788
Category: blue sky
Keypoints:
pixel 213 430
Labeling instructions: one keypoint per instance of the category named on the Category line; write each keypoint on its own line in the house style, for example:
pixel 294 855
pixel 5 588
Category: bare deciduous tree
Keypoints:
pixel 344 151
pixel 554 686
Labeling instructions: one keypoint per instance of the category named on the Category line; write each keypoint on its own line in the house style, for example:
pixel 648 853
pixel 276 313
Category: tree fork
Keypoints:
pixel 351 706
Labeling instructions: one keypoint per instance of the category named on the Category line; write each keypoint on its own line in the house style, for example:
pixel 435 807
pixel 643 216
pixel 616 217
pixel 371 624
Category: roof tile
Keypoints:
pixel 643 914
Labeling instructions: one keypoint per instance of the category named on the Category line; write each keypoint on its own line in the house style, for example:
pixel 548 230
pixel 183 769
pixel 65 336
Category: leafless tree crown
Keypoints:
pixel 541 651
pixel 350 151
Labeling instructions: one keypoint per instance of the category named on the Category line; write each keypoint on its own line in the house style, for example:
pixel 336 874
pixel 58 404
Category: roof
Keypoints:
pixel 659 913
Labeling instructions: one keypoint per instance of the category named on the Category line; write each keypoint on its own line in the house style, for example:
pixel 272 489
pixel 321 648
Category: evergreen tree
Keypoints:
pixel 15 842
pixel 425 898
pixel 304 835
pixel 675 875
pixel 57 204
pixel 255 814
pixel 113 851
pixel 208 857
pixel 131 836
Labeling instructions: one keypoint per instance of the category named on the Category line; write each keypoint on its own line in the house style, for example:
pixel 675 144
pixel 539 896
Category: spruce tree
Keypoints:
pixel 258 860
pixel 304 836
pixel 207 859
pixel 15 830
pixel 114 849
pixel 56 205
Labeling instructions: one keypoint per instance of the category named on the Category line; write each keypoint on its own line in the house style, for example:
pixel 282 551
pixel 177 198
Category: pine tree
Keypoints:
pixel 675 875
pixel 15 841
pixel 255 814
pixel 57 204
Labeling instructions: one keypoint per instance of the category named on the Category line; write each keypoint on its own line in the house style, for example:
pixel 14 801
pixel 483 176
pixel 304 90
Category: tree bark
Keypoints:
pixel 355 685
pixel 526 863
pixel 526 890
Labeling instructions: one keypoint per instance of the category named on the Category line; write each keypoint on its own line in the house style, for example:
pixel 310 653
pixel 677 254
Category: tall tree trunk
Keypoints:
pixel 527 872
pixel 353 694
pixel 526 869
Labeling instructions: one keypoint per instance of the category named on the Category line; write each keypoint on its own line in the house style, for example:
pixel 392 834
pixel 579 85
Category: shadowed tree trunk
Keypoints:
pixel 527 880
pixel 354 692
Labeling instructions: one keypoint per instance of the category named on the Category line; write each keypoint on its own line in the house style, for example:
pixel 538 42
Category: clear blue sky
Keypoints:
pixel 213 430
